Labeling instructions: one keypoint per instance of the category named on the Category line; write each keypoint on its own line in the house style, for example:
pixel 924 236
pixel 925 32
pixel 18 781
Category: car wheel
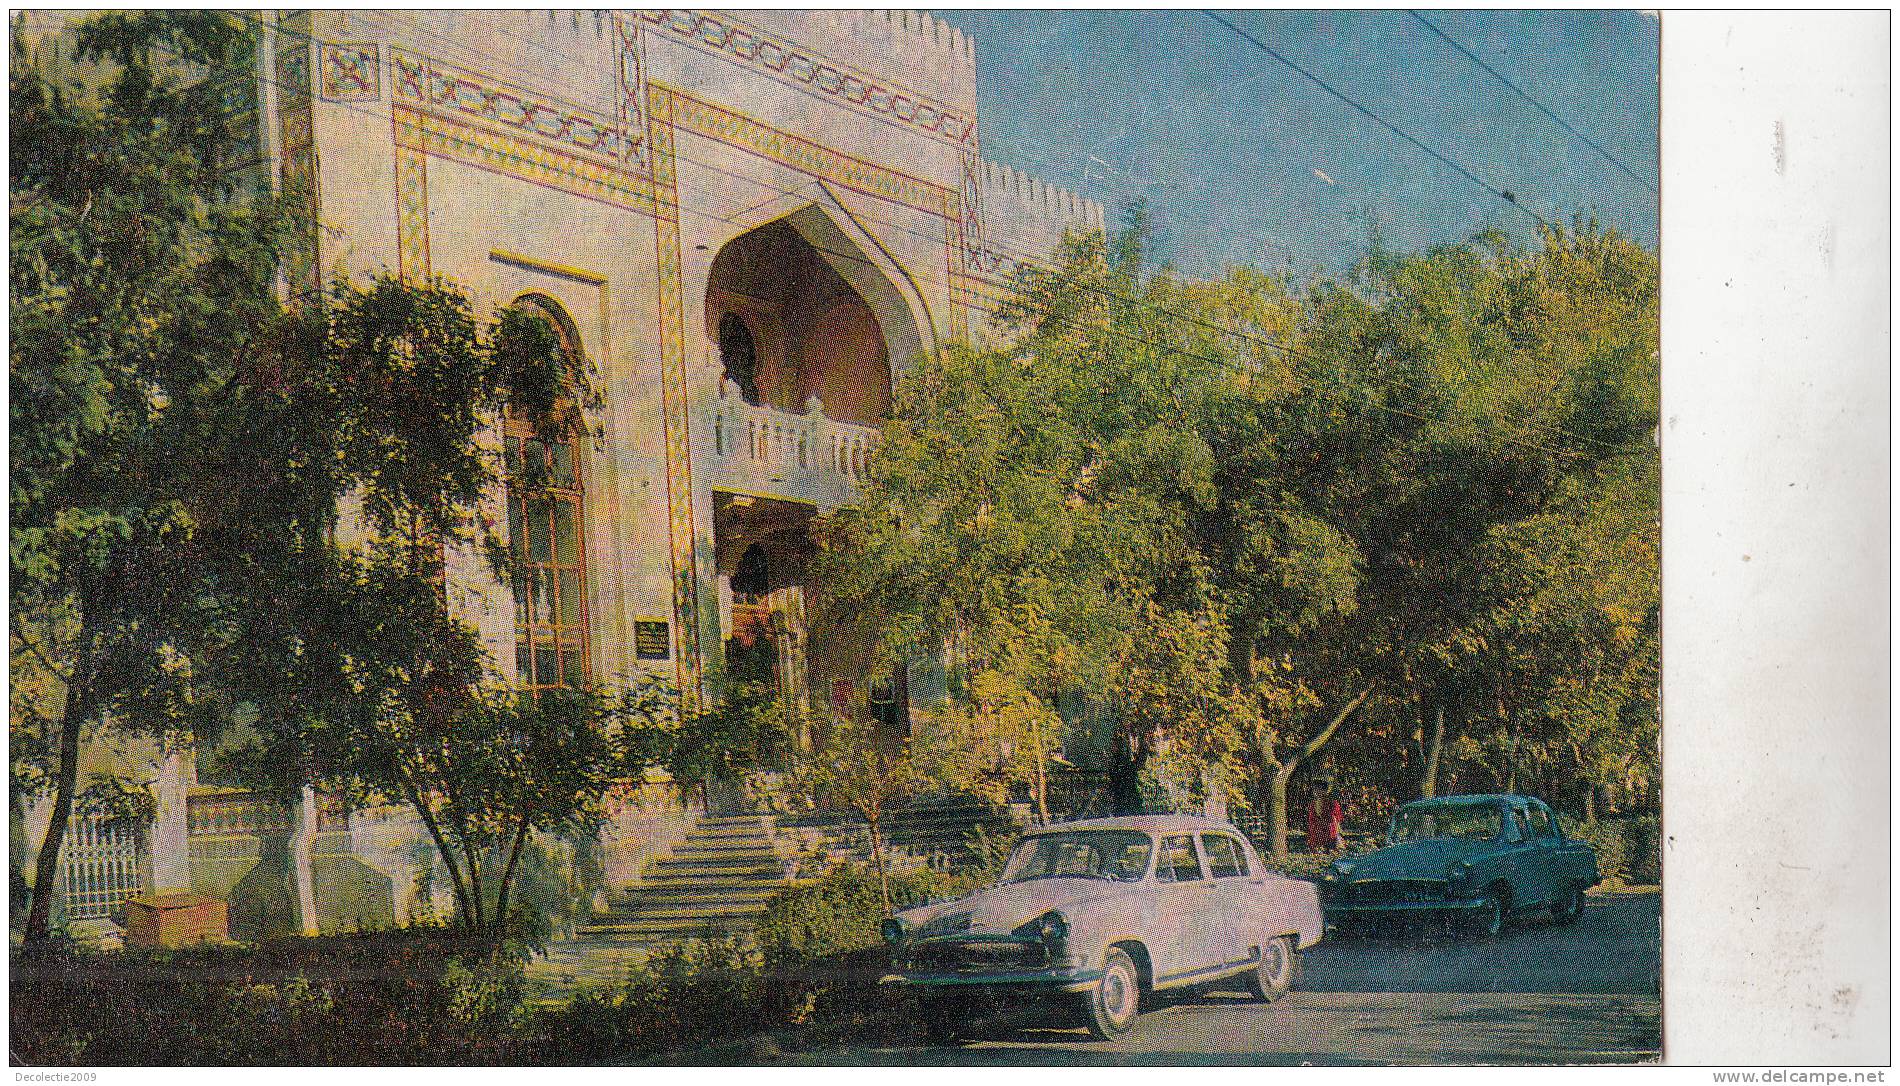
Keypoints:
pixel 1491 914
pixel 1115 1001
pixel 1277 972
pixel 1570 908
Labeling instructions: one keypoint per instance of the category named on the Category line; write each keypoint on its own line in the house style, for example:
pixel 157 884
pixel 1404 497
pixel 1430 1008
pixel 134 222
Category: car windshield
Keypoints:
pixel 1121 855
pixel 1463 821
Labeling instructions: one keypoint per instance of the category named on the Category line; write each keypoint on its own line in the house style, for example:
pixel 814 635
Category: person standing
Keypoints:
pixel 1323 818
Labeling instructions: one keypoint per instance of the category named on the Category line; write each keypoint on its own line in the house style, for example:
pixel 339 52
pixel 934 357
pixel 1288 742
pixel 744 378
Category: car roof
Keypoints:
pixel 1483 797
pixel 1162 823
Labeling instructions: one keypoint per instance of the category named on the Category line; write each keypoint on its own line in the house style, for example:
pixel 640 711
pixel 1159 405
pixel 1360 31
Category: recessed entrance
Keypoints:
pixel 792 321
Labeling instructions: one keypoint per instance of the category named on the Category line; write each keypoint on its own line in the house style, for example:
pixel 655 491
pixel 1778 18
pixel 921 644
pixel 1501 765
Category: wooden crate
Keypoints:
pixel 174 920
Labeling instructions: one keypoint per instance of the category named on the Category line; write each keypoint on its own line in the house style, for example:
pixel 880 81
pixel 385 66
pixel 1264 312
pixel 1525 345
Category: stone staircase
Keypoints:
pixel 716 882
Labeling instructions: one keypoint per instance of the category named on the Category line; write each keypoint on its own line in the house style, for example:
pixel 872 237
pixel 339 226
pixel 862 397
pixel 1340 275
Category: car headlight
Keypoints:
pixel 894 931
pixel 1458 872
pixel 1051 927
pixel 1340 869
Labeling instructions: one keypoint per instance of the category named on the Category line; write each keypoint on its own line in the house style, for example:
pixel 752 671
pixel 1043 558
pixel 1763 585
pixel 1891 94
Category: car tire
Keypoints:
pixel 1277 971
pixel 1115 1001
pixel 1569 909
pixel 1491 915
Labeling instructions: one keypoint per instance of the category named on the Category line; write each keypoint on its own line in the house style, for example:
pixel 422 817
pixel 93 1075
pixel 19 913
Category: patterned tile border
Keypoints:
pixel 807 156
pixel 630 80
pixel 725 36
pixel 682 529
pixel 351 72
pixel 507 110
pixel 449 138
pixel 297 150
pixel 412 211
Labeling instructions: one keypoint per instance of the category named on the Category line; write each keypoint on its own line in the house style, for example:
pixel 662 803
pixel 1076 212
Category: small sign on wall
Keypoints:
pixel 652 639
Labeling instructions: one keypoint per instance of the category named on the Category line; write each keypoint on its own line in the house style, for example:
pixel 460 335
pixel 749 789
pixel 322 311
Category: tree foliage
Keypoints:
pixel 1269 528
pixel 140 283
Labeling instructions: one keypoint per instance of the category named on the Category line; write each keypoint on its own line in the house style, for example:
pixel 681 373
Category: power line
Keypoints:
pixel 1502 194
pixel 1521 93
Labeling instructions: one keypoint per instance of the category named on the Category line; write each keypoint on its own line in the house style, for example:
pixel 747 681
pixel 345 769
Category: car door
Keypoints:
pixel 1235 920
pixel 1524 859
pixel 1550 877
pixel 1185 901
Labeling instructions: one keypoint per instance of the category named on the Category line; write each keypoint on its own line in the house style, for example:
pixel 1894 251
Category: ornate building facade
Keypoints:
pixel 745 221
pixel 748 224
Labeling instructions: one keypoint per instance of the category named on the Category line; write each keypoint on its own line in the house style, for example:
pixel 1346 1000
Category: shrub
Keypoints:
pixel 1644 837
pixel 705 999
pixel 840 912
pixel 1300 865
pixel 419 995
pixel 1628 849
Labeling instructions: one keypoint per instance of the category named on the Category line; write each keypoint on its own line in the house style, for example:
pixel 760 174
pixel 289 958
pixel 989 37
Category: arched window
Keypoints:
pixel 546 495
pixel 740 354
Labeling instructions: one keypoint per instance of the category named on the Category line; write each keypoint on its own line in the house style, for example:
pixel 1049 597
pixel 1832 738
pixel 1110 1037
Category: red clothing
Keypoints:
pixel 1323 817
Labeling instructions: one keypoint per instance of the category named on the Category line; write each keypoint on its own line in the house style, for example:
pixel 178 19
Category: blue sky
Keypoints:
pixel 1228 145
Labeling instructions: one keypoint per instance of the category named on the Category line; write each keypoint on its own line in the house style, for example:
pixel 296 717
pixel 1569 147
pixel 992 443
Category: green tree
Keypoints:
pixel 853 767
pixel 1029 500
pixel 141 279
pixel 365 677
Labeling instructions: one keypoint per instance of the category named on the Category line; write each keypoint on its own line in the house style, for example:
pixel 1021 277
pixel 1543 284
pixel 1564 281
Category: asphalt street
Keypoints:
pixel 1588 993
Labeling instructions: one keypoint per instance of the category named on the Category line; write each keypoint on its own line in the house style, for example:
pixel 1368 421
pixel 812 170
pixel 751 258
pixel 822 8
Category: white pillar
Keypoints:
pixel 169 842
pixel 302 884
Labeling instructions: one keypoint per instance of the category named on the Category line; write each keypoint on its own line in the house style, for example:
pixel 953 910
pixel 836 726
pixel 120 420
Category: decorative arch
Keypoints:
pixel 546 491
pixel 822 315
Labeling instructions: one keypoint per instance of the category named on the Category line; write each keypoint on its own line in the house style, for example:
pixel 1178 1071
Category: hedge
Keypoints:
pixel 1628 849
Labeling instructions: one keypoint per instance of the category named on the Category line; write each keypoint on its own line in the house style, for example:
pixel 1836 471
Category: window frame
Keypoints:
pixel 1194 848
pixel 566 641
pixel 1240 856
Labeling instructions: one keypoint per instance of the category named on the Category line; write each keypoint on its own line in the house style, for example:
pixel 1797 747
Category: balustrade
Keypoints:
pixel 808 456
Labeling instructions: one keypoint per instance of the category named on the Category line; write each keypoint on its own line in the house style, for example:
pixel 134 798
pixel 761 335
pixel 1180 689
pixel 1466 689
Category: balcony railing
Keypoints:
pixel 804 457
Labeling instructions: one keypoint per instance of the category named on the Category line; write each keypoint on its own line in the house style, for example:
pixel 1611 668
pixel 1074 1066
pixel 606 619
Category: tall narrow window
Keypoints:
pixel 545 507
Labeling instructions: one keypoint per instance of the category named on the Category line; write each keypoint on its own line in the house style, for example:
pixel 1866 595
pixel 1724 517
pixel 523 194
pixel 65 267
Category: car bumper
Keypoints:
pixel 1347 909
pixel 1057 980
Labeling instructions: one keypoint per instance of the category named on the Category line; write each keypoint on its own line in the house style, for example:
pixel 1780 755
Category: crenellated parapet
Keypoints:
pixel 1022 218
pixel 912 50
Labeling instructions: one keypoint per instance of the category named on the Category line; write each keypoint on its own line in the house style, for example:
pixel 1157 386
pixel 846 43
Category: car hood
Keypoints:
pixel 1002 909
pixel 1429 859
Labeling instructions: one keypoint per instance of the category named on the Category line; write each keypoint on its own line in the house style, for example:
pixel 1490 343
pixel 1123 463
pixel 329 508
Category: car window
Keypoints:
pixel 1178 862
pixel 1100 854
pixel 1225 858
pixel 1520 828
pixel 1464 821
pixel 1541 824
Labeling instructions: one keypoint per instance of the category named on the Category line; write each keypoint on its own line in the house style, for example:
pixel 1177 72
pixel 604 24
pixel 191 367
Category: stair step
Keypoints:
pixel 687 874
pixel 734 911
pixel 675 929
pixel 745 871
pixel 760 853
pixel 681 897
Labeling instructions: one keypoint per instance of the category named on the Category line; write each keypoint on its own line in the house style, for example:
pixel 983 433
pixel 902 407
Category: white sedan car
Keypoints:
pixel 1110 909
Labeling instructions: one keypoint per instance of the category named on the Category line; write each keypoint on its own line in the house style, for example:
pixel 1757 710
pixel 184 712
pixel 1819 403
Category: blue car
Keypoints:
pixel 1484 859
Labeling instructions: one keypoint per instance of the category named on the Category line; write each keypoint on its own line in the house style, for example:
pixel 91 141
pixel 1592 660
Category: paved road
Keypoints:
pixel 1540 994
